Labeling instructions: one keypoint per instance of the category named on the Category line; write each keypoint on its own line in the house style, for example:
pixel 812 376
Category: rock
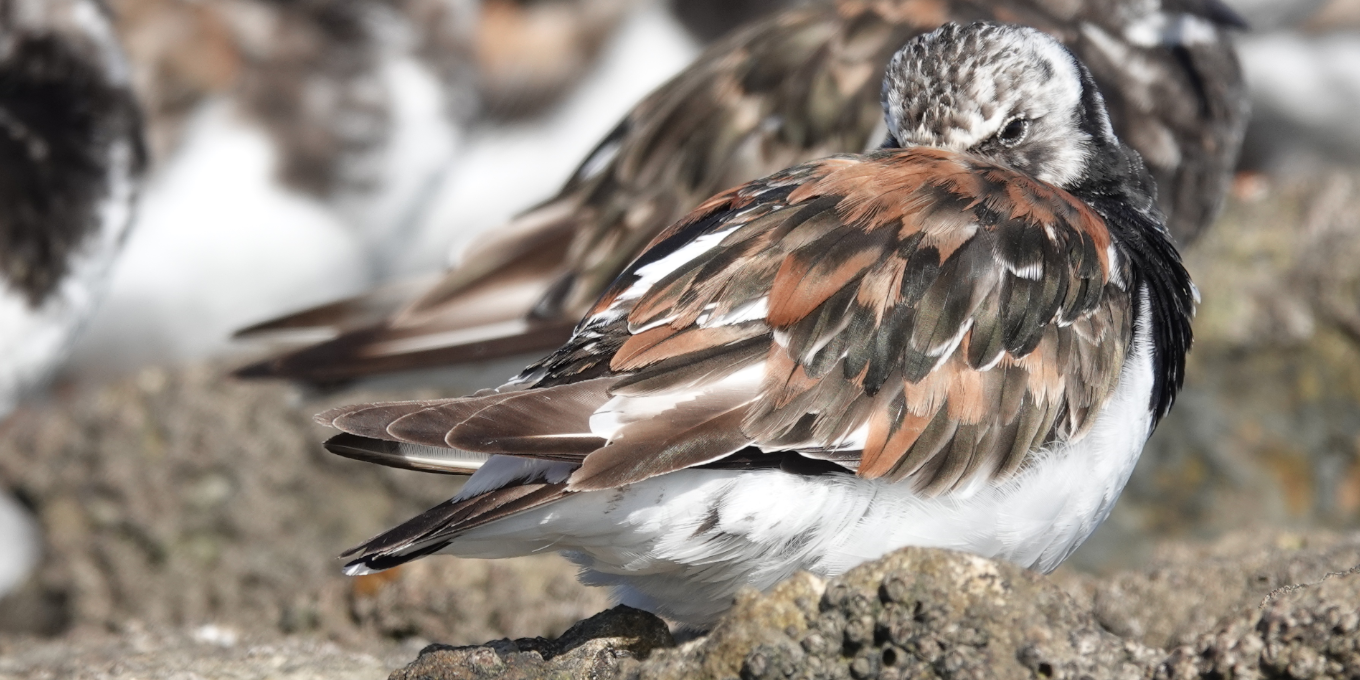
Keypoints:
pixel 455 600
pixel 1190 589
pixel 917 613
pixel 182 498
pixel 177 654
pixel 923 613
pixel 595 648
pixel 1298 632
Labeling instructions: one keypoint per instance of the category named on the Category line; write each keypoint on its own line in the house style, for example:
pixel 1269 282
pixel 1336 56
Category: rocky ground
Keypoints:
pixel 184 498
pixel 205 652
pixel 934 614
pixel 191 525
pixel 1250 606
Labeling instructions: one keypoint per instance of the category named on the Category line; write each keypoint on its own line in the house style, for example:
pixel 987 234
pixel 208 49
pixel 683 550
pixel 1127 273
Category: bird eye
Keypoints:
pixel 1013 132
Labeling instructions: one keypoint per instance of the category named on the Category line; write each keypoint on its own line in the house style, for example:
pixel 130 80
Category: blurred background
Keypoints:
pixel 304 150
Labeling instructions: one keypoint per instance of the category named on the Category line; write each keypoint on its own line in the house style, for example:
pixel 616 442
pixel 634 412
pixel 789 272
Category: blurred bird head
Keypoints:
pixel 1010 94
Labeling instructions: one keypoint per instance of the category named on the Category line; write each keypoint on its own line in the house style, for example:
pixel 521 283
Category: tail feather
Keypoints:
pixel 406 456
pixel 370 420
pixel 379 350
pixel 553 419
pixel 431 425
pixel 375 421
pixel 651 448
pixel 435 528
pixel 332 319
pixel 530 246
pixel 480 310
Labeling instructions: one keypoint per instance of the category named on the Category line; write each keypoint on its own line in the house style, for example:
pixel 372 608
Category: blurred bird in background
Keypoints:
pixel 298 146
pixel 292 140
pixel 801 85
pixel 1300 67
pixel 71 160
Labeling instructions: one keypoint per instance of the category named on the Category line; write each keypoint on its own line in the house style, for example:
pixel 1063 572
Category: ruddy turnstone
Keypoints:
pixel 800 86
pixel 294 141
pixel 960 341
pixel 71 156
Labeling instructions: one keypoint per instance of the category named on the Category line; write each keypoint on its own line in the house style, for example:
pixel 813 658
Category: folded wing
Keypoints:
pixel 913 315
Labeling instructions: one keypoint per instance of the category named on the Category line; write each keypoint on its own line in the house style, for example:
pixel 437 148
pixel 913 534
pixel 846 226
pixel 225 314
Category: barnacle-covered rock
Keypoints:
pixel 917 613
pixel 925 614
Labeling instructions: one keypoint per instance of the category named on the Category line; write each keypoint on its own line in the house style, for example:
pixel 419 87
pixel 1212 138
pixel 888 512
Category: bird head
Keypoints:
pixel 1009 94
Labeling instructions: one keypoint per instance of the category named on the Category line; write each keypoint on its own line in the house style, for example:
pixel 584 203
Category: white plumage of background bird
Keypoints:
pixel 962 341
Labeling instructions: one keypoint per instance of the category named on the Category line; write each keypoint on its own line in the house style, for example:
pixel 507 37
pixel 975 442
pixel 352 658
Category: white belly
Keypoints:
pixel 682 544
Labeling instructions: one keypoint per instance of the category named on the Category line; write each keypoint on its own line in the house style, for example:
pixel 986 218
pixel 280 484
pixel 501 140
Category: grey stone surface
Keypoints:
pixel 916 613
pixel 1301 632
pixel 598 647
pixel 207 652
pixel 182 498
pixel 1192 587
pixel 922 614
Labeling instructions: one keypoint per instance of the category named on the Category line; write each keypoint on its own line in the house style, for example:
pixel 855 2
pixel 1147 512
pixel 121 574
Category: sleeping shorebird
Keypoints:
pixel 71 155
pixel 802 85
pixel 962 340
